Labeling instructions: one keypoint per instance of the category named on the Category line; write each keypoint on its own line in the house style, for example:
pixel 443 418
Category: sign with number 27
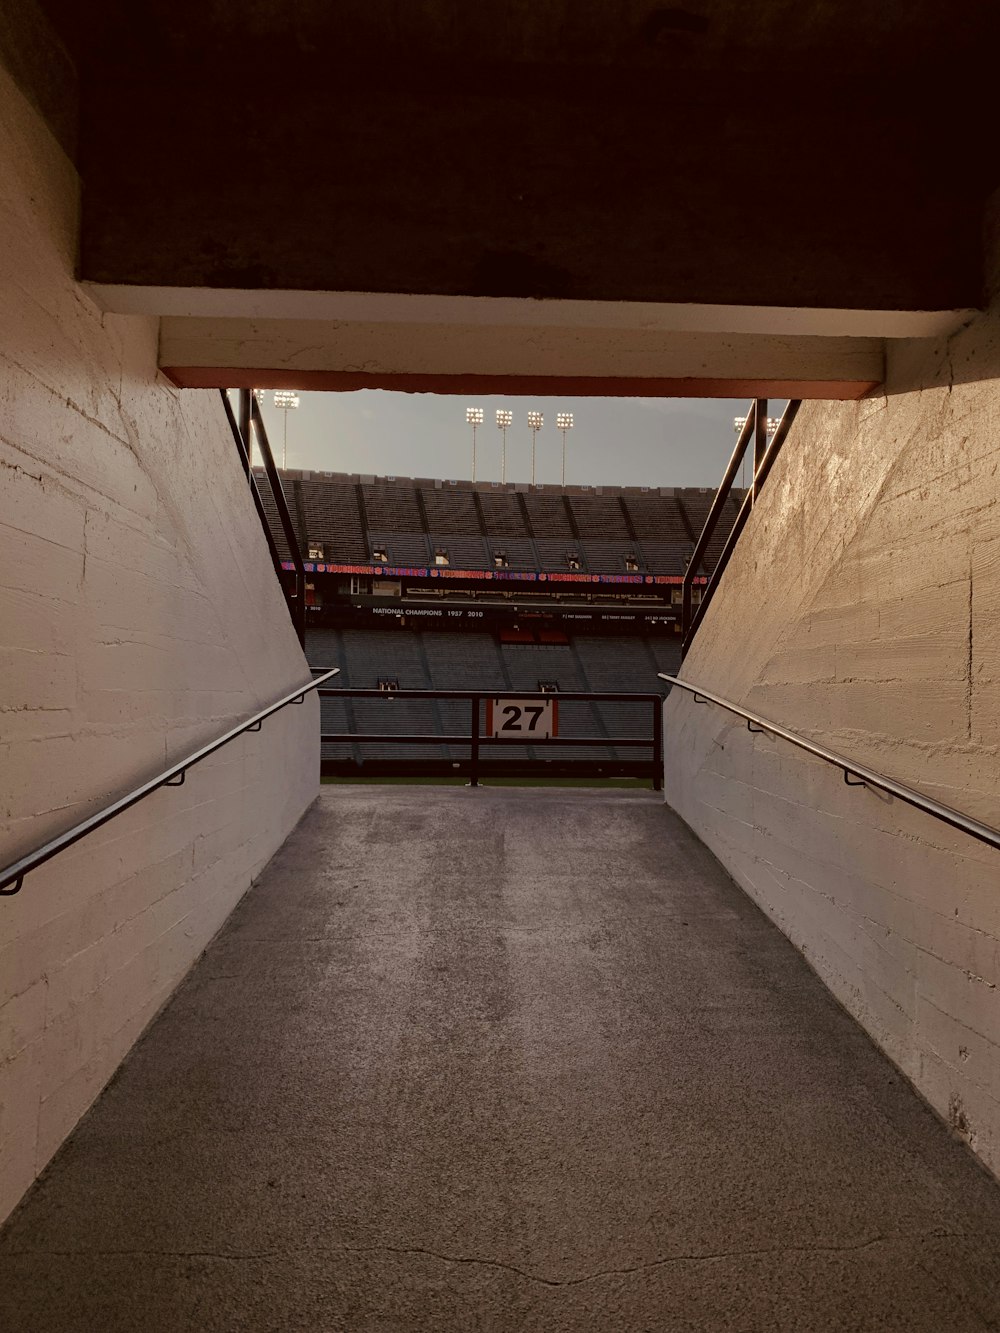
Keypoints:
pixel 530 719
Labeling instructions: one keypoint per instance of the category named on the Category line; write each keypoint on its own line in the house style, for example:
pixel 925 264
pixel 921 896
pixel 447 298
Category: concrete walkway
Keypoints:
pixel 503 1060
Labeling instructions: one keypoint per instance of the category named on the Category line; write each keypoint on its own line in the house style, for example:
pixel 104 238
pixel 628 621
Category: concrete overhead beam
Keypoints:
pixel 443 358
pixel 425 343
pixel 405 308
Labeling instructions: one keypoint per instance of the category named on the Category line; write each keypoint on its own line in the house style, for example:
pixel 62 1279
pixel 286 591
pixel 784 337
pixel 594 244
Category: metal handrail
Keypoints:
pixel 867 777
pixel 764 454
pixel 287 526
pixel 477 741
pixel 254 488
pixel 491 692
pixel 171 777
pixel 251 422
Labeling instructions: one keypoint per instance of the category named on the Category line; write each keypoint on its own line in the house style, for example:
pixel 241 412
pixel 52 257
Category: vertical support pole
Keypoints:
pixel 474 734
pixel 245 401
pixel 274 481
pixel 759 438
pixel 658 745
pixel 686 605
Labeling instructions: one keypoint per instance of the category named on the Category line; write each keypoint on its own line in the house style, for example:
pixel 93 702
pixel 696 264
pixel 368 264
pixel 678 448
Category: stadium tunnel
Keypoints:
pixel 596 200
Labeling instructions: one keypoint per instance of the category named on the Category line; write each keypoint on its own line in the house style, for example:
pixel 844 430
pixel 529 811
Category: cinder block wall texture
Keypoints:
pixel 139 617
pixel 862 609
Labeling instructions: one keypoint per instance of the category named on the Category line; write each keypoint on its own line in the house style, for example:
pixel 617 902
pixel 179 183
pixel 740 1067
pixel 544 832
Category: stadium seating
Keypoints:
pixel 442 660
pixel 596 515
pixel 547 515
pixel 503 515
pixel 333 509
pixel 347 519
pixel 451 511
pixel 350 519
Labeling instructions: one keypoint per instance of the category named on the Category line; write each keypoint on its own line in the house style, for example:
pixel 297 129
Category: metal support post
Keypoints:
pixel 658 745
pixel 759 438
pixel 474 737
pixel 246 400
pixel 291 540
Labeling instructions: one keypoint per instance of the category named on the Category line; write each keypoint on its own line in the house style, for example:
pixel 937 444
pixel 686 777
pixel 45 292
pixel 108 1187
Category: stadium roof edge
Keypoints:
pixel 487 487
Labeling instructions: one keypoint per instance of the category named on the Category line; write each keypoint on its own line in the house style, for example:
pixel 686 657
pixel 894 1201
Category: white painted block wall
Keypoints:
pixel 862 609
pixel 139 617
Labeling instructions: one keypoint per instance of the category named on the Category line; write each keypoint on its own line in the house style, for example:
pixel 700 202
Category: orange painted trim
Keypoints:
pixel 584 386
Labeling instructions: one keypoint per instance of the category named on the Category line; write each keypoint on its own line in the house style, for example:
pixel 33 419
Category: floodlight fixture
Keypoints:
pixel 505 418
pixel 772 424
pixel 535 421
pixel 564 422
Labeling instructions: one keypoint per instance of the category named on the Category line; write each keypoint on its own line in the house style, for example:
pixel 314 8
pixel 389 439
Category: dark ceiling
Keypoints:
pixel 783 153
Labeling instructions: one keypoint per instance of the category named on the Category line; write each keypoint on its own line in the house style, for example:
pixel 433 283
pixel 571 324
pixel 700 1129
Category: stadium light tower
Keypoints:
pixel 564 421
pixel 474 417
pixel 285 400
pixel 504 419
pixel 535 420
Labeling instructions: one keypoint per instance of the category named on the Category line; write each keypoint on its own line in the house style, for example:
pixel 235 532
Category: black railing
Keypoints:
pixel 251 424
pixel 755 431
pixel 173 776
pixel 855 774
pixel 477 766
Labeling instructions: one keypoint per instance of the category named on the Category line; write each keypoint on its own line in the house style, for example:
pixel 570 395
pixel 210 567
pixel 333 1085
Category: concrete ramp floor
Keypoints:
pixel 503 1060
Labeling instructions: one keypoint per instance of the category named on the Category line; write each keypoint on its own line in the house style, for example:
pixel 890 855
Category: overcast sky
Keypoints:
pixel 614 441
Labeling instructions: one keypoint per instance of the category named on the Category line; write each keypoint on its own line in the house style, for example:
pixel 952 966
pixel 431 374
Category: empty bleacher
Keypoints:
pixel 658 517
pixel 473 524
pixel 464 661
pixel 392 506
pixel 604 666
pixel 519 551
pixel 333 519
pixel 451 510
pixel 666 557
pixel 548 514
pixel 609 557
pixel 402 548
pixel 554 553
pixel 503 516
pixel 597 515
pixel 462 552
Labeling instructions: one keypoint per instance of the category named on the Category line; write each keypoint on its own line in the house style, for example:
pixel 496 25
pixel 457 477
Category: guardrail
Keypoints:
pixel 173 776
pixel 251 423
pixel 764 454
pixel 864 776
pixel 476 766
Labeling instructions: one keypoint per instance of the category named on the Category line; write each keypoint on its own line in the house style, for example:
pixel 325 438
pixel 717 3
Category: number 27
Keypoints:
pixel 513 715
